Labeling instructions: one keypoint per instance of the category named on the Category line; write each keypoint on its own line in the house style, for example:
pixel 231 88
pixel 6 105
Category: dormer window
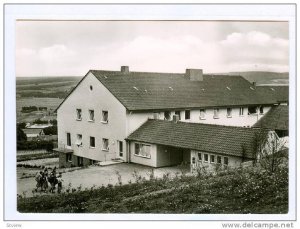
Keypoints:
pixel 91 115
pixel 178 113
pixel 241 111
pixel 261 110
pixel 104 116
pixel 78 114
pixel 202 113
pixel 187 115
pixel 252 110
pixel 229 112
pixel 216 113
pixel 167 115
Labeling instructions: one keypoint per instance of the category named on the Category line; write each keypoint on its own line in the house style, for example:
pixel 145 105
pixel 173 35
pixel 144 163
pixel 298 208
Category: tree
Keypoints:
pixel 51 130
pixel 53 122
pixel 21 136
pixel 268 151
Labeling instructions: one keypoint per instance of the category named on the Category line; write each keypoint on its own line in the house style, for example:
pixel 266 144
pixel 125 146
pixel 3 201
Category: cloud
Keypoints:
pixel 255 49
pixel 74 48
pixel 54 60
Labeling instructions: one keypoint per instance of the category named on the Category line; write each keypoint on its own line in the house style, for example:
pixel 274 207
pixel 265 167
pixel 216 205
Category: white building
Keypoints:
pixel 107 106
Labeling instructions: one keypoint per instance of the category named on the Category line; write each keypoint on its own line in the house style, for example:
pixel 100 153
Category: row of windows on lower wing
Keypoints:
pixel 105 142
pixel 204 157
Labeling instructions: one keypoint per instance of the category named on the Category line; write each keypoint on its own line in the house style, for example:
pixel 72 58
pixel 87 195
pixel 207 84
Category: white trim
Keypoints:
pixel 137 155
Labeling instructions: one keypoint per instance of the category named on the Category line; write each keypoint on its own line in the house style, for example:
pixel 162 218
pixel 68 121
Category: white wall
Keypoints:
pixel 143 160
pixel 136 119
pixel 233 161
pixel 235 119
pixel 98 99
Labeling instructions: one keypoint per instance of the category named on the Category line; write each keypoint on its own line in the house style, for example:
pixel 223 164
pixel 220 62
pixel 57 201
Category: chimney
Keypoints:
pixel 175 118
pixel 254 84
pixel 194 74
pixel 125 69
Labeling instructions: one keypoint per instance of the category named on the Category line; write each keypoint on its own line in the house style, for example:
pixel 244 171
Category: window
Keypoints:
pixel 229 112
pixel 105 116
pixel 68 139
pixel 92 142
pixel 79 140
pixel 80 161
pixel 178 113
pixel 91 115
pixel 199 157
pixel 120 148
pixel 167 115
pixel 156 115
pixel 105 144
pixel 193 160
pixel 219 159
pixel 91 87
pixel 226 160
pixel 142 150
pixel 205 157
pixel 241 111
pixel 187 114
pixel 78 113
pixel 68 157
pixel 212 158
pixel 261 110
pixel 252 110
pixel 216 113
pixel 202 113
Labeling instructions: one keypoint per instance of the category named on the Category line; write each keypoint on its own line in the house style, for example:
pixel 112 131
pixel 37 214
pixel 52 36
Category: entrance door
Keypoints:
pixel 80 161
pixel 120 148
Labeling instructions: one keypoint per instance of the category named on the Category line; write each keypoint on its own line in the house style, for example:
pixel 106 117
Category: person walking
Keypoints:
pixel 38 179
pixel 59 182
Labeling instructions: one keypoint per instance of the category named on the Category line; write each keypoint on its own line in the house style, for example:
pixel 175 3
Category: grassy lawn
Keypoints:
pixel 237 191
pixel 35 156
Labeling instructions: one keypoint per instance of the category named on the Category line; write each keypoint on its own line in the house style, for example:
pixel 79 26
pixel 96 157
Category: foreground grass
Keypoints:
pixel 236 191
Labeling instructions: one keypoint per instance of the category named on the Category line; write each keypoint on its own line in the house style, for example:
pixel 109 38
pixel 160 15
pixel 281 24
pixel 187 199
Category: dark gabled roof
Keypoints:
pixel 139 91
pixel 280 93
pixel 277 118
pixel 225 140
pixel 156 91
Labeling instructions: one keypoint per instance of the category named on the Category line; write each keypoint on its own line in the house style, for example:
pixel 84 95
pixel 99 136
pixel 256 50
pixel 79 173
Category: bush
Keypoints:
pixel 39 121
pixel 51 130
pixel 235 191
pixel 32 145
pixel 29 109
pixel 21 136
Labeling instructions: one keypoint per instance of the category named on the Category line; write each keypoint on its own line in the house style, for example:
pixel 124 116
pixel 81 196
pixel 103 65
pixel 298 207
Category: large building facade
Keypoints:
pixel 106 107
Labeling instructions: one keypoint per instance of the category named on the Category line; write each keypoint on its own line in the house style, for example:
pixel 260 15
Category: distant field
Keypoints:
pixel 39 102
pixel 50 103
pixel 41 87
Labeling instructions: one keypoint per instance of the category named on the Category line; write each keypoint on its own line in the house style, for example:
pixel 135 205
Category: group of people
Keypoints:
pixel 46 181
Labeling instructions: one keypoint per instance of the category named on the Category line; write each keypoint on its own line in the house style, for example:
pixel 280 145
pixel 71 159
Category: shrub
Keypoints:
pixel 31 145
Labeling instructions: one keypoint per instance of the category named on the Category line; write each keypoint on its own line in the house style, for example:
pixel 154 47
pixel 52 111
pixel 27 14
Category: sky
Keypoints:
pixel 72 48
